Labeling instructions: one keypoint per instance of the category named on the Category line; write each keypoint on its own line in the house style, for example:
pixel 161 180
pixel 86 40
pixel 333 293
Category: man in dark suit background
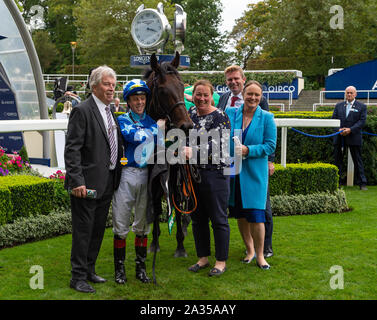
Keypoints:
pixel 92 160
pixel 235 80
pixel 352 115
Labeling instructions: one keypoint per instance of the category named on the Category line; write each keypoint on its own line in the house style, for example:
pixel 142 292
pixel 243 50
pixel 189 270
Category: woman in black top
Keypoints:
pixel 213 191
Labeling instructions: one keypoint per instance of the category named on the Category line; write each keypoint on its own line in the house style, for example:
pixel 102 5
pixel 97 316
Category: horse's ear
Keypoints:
pixel 175 62
pixel 154 64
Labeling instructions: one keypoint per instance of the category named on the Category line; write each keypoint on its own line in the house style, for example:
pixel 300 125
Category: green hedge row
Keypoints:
pixel 25 196
pixel 5 205
pixel 59 222
pixel 304 178
pixel 311 150
pixel 315 203
pixel 38 228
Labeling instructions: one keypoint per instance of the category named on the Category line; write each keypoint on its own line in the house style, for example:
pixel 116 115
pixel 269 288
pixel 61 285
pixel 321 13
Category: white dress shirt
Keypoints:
pixel 101 107
pixel 238 103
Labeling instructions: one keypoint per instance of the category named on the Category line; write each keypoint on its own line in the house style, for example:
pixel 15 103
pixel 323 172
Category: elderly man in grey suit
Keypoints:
pixel 352 115
pixel 92 160
pixel 235 80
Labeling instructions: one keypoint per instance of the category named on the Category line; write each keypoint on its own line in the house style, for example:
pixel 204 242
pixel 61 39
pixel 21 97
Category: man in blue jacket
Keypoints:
pixel 352 115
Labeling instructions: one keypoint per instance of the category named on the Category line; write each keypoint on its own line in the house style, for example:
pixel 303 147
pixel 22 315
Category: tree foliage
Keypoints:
pixel 46 50
pixel 102 30
pixel 204 42
pixel 292 34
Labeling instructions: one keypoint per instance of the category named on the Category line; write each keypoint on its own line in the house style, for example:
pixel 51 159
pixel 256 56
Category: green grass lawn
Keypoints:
pixel 305 247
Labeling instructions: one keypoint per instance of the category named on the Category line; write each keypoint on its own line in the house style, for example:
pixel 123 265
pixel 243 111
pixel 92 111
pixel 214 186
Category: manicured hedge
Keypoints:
pixel 329 202
pixel 5 205
pixel 306 149
pixel 59 222
pixel 304 178
pixel 29 196
pixel 38 228
pixel 61 197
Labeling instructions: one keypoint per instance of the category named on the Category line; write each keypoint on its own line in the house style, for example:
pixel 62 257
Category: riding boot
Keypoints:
pixel 141 256
pixel 119 257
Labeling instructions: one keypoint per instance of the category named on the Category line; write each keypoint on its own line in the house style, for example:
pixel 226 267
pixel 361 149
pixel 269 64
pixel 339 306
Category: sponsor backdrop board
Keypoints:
pixel 13 141
pixel 363 76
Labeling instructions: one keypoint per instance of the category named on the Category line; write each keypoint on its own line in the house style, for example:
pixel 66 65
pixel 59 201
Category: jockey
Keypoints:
pixel 139 133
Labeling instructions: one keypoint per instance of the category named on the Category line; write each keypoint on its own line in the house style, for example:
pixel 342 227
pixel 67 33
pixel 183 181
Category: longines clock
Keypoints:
pixel 150 29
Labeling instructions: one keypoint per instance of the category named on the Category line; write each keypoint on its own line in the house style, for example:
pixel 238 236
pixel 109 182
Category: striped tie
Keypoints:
pixel 110 134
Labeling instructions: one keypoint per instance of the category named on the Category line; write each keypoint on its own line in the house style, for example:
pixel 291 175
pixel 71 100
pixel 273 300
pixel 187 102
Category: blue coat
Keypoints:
pixel 261 141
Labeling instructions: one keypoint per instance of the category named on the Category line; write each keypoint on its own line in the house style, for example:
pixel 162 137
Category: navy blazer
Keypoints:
pixel 223 100
pixel 355 121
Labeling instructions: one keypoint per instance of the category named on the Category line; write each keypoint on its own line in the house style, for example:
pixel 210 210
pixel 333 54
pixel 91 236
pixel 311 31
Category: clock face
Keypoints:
pixel 147 28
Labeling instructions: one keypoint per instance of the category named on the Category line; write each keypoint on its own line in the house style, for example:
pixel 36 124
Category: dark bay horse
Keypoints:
pixel 166 102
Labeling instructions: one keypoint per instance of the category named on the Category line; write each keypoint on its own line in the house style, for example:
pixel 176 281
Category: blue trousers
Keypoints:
pixel 212 195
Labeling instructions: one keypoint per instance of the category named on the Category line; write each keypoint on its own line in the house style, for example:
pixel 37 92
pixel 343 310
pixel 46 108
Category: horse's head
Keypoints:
pixel 167 93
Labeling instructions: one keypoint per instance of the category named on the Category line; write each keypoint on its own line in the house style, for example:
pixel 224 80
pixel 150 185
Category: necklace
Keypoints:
pixel 246 121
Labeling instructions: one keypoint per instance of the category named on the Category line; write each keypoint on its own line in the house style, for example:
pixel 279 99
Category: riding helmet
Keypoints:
pixel 135 87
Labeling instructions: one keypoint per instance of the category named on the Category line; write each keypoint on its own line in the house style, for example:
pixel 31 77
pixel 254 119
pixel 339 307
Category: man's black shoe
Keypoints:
pixel 82 286
pixel 92 277
pixel 268 252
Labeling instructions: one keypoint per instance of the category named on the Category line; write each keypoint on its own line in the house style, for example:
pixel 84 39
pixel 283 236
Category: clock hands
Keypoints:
pixel 150 29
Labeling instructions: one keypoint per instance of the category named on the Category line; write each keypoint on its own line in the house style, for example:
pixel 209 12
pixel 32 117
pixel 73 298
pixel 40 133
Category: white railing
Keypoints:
pixel 281 105
pixel 315 105
pixel 61 124
pixel 313 123
pixel 321 94
pixel 123 78
pixel 126 77
pixel 290 97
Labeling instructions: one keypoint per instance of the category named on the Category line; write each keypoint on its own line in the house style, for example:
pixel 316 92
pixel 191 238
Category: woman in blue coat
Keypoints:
pixel 256 130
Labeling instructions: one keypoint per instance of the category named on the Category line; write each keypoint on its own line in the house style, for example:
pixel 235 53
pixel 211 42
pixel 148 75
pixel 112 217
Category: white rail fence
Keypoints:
pixel 322 98
pixel 61 124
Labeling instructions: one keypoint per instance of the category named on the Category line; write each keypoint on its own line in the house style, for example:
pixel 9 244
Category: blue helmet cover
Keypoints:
pixel 135 86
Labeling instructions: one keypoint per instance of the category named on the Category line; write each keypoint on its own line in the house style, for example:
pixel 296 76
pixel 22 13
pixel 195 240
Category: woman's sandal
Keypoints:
pixel 196 267
pixel 216 272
